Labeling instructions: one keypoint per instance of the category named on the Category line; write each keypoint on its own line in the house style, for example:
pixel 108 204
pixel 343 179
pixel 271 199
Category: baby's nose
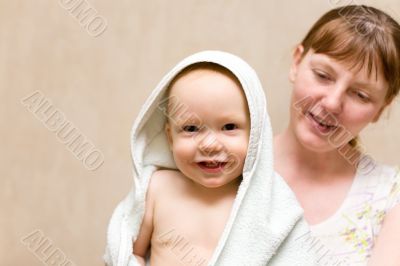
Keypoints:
pixel 210 144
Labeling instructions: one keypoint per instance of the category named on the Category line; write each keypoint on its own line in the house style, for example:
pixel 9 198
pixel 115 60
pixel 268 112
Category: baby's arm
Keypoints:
pixel 142 243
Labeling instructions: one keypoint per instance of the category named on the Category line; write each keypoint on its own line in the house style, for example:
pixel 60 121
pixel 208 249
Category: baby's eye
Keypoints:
pixel 190 128
pixel 229 126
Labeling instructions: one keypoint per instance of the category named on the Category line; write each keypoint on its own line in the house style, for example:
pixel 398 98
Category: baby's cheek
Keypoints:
pixel 238 150
pixel 183 148
pixel 239 145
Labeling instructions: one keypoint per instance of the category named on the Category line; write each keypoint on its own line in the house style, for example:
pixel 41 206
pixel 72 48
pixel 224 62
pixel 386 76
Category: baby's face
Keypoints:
pixel 208 128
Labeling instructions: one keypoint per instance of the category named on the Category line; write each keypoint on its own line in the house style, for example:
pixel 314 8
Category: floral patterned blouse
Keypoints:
pixel 348 236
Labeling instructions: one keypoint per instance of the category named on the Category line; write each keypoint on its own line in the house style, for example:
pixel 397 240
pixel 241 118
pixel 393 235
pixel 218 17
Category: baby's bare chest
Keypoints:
pixel 187 229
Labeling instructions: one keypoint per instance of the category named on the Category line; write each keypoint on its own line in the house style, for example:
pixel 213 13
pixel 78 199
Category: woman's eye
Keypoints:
pixel 190 128
pixel 322 76
pixel 362 96
pixel 230 126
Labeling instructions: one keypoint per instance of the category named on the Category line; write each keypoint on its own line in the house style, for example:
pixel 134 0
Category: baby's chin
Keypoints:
pixel 215 183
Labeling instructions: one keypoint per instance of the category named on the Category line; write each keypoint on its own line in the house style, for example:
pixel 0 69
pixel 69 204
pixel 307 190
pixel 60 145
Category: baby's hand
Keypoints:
pixel 141 260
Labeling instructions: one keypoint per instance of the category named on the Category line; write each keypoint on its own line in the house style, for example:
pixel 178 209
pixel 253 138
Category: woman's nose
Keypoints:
pixel 332 101
pixel 210 144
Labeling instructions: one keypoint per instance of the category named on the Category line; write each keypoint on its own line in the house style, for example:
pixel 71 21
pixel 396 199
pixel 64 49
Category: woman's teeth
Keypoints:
pixel 321 122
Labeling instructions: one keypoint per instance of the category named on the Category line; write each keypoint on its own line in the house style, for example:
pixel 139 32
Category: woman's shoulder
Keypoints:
pixel 382 181
pixel 378 171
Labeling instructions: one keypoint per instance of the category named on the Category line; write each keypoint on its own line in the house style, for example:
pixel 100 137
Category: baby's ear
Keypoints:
pixel 167 129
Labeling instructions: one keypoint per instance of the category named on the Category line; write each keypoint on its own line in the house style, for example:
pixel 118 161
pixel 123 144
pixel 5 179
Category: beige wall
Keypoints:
pixel 99 84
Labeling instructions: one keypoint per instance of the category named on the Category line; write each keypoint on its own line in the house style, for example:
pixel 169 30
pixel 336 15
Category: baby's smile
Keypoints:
pixel 212 166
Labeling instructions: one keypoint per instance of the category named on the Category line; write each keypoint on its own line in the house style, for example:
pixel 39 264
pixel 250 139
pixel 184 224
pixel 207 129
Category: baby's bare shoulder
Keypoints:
pixel 165 180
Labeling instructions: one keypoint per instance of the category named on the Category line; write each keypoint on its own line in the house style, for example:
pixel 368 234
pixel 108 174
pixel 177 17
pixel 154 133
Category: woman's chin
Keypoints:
pixel 313 142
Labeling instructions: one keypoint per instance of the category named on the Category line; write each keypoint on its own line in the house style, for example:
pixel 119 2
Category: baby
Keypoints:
pixel 205 192
pixel 207 129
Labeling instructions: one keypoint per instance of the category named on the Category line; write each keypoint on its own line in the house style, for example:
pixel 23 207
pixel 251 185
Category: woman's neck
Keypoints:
pixel 289 151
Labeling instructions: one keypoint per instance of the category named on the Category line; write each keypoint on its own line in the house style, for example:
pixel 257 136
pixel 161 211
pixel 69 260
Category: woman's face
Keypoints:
pixel 332 103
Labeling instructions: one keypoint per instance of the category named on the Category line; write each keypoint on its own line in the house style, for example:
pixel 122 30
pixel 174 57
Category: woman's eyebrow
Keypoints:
pixel 321 62
pixel 364 85
pixel 367 86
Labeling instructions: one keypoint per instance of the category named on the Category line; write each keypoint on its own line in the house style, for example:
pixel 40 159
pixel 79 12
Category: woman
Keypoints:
pixel 344 73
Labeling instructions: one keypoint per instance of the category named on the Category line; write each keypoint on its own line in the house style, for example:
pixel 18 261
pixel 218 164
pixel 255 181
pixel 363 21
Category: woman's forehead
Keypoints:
pixel 362 71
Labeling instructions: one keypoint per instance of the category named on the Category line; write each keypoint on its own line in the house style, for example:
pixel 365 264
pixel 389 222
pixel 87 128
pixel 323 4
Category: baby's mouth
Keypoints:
pixel 212 166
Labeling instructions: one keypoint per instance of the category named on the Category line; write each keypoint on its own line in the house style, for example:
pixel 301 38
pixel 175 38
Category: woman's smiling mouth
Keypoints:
pixel 321 125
